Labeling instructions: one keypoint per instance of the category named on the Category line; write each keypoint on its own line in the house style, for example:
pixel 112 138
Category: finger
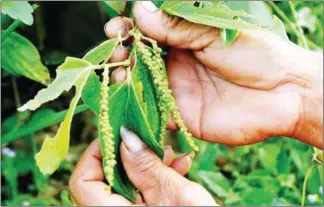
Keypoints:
pixel 173 31
pixel 119 75
pixel 159 184
pixel 168 155
pixel 86 183
pixel 120 54
pixel 118 25
pixel 172 125
pixel 139 199
pixel 89 167
pixel 182 164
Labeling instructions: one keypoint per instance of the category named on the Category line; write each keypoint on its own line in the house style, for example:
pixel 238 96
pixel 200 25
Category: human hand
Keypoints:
pixel 160 182
pixel 261 86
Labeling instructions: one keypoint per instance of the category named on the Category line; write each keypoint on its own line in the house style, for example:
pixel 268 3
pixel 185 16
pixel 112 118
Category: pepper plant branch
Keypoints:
pixel 111 65
pixel 14 26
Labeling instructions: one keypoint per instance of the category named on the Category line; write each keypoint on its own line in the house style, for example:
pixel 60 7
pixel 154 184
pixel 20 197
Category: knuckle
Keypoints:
pixel 146 163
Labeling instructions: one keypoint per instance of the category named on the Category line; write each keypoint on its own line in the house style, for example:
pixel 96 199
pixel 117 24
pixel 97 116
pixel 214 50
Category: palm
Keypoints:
pixel 215 109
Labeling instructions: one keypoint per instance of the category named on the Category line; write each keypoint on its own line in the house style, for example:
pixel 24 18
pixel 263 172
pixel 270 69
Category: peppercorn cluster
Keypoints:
pixel 166 102
pixel 106 135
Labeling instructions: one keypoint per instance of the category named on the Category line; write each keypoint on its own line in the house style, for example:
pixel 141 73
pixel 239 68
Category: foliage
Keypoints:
pixel 270 173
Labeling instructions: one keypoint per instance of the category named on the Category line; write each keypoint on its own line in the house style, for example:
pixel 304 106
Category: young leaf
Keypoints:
pixel 54 150
pixel 67 75
pixel 228 36
pixel 117 6
pixel 20 57
pixel 101 52
pixel 21 10
pixel 216 16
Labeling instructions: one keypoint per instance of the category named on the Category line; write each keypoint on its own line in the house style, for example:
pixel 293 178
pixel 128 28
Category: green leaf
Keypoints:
pixel 90 93
pixel 216 16
pixel 21 10
pixel 257 197
pixel 72 72
pixel 216 182
pixel 54 57
pixel 117 6
pixel 257 9
pixel 283 164
pixel 13 122
pixel 68 74
pixel 228 36
pixel 54 150
pixel 65 198
pixel 101 52
pixel 268 155
pixel 20 57
pixel 41 119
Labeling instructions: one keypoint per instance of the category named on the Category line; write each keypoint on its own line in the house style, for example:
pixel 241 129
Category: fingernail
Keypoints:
pixel 149 6
pixel 131 140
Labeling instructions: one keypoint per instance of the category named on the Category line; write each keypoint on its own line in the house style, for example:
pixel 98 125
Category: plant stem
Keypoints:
pixel 17 99
pixel 299 28
pixel 285 18
pixel 305 183
pixel 13 26
pixel 10 29
pixel 282 15
pixel 110 65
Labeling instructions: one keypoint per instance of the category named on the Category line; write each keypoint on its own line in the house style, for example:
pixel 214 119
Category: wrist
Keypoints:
pixel 309 125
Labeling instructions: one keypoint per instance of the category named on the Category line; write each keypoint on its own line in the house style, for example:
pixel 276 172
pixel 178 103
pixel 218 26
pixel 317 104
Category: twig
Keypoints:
pixel 305 183
pixel 299 28
pixel 17 99
pixel 285 18
pixel 110 65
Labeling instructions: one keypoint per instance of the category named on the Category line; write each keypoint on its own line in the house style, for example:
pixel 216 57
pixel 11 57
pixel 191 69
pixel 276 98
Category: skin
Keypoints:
pixel 261 86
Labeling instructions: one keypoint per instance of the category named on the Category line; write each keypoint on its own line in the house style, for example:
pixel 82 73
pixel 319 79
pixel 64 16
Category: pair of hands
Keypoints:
pixel 261 86
pixel 159 182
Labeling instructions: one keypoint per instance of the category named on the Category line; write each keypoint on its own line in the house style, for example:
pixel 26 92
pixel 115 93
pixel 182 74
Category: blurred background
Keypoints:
pixel 269 173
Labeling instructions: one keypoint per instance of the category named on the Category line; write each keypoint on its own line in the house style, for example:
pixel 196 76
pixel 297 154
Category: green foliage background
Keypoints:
pixel 269 173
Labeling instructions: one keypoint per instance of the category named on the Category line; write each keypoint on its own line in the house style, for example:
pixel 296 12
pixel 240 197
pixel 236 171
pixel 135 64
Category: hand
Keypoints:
pixel 261 86
pixel 158 183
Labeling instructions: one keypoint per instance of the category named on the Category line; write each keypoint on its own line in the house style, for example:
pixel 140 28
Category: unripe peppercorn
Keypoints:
pixel 166 101
pixel 105 130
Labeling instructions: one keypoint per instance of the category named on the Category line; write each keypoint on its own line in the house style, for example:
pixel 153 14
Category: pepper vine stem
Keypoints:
pixel 111 65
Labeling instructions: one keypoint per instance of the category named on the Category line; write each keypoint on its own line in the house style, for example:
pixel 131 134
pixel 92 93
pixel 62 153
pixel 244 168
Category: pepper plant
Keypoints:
pixel 143 102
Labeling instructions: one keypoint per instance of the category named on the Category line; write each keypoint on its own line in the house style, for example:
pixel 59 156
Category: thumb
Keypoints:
pixel 159 184
pixel 172 30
